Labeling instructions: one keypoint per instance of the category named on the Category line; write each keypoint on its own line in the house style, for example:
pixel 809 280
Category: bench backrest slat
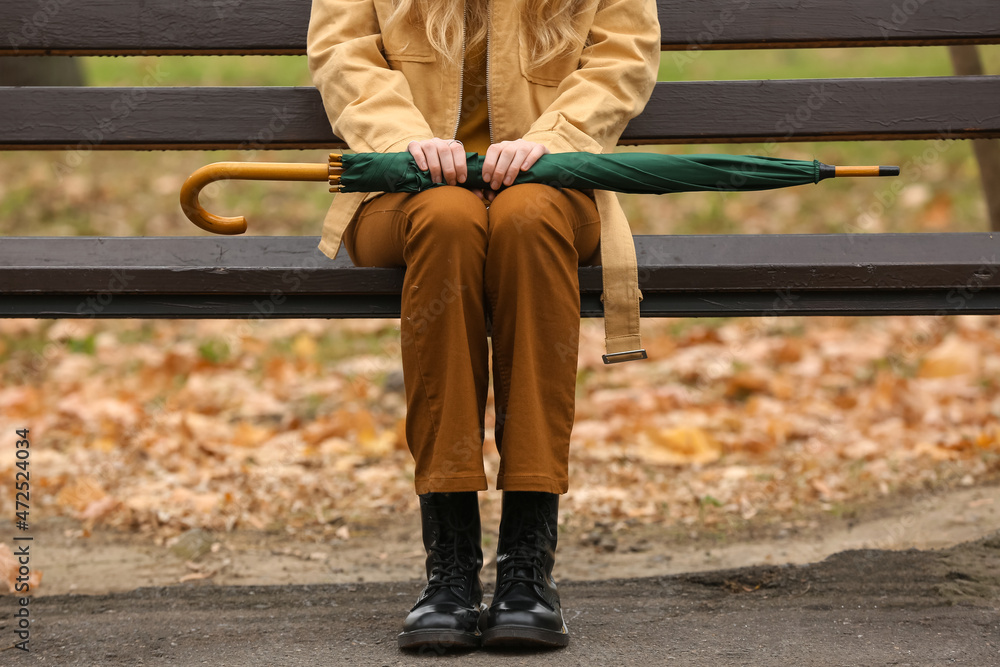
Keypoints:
pixel 111 27
pixel 680 112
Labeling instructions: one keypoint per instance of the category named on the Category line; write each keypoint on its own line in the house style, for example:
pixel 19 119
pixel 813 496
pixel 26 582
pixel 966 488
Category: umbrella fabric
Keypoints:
pixel 638 173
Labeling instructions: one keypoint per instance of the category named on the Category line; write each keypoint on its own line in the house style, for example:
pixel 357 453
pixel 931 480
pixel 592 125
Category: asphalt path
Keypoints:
pixel 855 608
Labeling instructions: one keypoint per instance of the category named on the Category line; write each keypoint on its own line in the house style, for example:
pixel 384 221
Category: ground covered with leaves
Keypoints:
pixel 160 427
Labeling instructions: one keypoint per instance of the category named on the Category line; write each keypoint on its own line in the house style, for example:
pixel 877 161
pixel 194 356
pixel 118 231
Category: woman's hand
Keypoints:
pixel 505 160
pixel 445 159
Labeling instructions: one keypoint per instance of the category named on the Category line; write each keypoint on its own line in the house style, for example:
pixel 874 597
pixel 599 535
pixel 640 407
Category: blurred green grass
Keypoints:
pixel 123 193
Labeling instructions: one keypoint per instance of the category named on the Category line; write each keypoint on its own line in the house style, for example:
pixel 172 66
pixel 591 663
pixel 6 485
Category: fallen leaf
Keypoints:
pixel 98 509
pixel 950 357
pixel 677 446
pixel 80 494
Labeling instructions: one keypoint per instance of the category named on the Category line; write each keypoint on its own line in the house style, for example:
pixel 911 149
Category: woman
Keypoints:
pixel 513 80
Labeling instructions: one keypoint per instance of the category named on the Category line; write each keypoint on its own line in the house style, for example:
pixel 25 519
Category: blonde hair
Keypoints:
pixel 549 24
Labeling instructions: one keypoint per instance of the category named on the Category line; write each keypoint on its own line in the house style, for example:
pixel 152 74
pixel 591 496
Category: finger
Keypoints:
pixel 447 164
pixel 490 161
pixel 536 152
pixel 434 164
pixel 514 168
pixel 458 155
pixel 417 151
pixel 506 155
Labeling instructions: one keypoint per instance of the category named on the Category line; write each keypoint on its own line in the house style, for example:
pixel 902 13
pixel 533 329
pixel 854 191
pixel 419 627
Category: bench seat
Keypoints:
pixel 686 275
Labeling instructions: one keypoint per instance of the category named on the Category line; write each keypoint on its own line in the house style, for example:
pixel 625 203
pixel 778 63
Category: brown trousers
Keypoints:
pixel 512 267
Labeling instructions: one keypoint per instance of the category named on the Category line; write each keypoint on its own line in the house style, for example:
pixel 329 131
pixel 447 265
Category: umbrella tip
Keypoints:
pixel 888 171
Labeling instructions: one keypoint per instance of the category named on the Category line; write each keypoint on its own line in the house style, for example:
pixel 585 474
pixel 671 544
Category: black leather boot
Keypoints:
pixel 525 610
pixel 447 612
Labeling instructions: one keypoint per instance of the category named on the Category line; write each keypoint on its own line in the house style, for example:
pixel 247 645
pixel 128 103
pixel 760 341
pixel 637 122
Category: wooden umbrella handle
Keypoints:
pixel 245 171
pixel 867 171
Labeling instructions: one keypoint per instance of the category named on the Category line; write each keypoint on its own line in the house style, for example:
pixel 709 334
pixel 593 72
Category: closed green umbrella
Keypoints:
pixel 638 173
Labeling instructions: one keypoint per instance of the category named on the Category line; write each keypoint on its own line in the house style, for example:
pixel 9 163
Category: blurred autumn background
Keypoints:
pixel 295 427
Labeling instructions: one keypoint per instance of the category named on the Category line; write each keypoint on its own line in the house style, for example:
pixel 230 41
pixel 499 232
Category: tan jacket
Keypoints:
pixel 384 89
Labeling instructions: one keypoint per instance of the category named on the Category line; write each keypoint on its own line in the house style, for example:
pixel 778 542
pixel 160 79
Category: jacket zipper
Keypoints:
pixel 461 72
pixel 489 30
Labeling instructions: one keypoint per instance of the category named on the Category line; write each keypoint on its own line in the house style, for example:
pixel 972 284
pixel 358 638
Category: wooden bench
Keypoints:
pixel 717 275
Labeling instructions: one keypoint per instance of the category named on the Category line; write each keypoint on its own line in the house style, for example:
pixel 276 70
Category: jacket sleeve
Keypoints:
pixel 616 77
pixel 370 106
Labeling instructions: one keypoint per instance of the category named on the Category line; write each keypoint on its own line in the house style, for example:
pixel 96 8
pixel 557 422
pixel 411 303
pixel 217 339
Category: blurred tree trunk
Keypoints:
pixel 40 71
pixel 966 61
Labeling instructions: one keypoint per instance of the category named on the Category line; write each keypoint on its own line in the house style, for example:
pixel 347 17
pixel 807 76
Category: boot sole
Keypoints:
pixel 437 639
pixel 522 636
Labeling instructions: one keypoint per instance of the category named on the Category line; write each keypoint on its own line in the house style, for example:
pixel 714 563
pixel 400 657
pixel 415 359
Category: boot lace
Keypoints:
pixel 523 564
pixel 452 562
pixel 447 573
